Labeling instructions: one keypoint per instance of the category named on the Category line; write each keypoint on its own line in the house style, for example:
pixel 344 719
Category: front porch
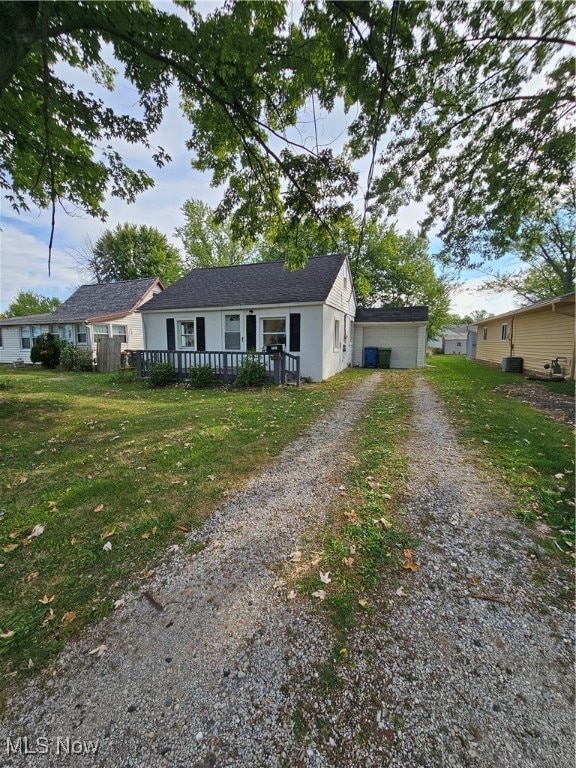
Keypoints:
pixel 281 367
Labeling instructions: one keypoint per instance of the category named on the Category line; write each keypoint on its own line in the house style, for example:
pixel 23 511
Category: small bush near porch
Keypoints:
pixel 100 476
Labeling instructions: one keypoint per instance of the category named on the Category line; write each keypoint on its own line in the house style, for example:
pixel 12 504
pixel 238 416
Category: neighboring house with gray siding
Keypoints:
pixel 91 313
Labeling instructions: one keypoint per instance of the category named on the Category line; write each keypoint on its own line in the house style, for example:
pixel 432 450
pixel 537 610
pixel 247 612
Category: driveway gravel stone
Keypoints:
pixel 466 663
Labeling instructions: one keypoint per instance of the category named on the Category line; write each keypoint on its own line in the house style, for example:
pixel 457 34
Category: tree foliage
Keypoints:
pixel 463 105
pixel 130 252
pixel 546 252
pixel 30 303
pixel 208 241
pixel 395 270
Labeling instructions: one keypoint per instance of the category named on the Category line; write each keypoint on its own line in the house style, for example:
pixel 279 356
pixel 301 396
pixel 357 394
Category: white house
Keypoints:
pixel 91 313
pixel 310 311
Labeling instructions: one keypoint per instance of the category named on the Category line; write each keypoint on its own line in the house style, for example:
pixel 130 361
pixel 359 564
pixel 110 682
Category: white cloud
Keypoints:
pixel 24 266
pixel 468 298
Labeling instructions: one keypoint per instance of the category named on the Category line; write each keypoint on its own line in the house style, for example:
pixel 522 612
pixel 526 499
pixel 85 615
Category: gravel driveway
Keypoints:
pixel 466 663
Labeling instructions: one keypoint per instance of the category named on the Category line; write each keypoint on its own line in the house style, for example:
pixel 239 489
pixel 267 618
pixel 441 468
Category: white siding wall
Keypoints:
pixel 11 349
pixel 341 295
pixel 336 358
pixel 311 323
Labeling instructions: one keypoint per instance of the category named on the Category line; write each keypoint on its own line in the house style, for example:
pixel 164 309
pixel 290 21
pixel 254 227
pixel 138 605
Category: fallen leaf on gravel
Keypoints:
pixel 173 548
pixel 400 592
pixel 6 635
pixel 352 516
pixel 10 548
pixel 291 595
pixel 382 522
pixel 98 651
pixel 107 547
pixel 47 599
pixel 386 496
pixel 410 565
pixel 363 603
pixel 279 584
pixel 320 594
pixel 68 617
pixel 295 556
pixel 119 603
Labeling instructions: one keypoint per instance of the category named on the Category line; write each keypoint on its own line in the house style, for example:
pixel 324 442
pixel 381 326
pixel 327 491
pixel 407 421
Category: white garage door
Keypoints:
pixel 402 341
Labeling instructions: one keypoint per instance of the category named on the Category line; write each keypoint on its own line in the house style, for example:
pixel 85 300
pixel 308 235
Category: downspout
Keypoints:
pixel 511 336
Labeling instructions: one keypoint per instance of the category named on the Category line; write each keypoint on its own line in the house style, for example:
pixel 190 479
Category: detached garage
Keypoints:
pixel 403 330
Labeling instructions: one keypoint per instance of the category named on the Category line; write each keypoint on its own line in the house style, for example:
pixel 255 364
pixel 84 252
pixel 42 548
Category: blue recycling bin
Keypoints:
pixel 370 357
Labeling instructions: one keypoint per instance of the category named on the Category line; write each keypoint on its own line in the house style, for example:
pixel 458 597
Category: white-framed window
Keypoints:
pixel 484 334
pixel 69 333
pixel 81 334
pixel 337 339
pixel 28 335
pixel 232 335
pixel 273 330
pixel 187 334
pixel 122 331
pixel 504 332
pixel 458 343
pixel 100 331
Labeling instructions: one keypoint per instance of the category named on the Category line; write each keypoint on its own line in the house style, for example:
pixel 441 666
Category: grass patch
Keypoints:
pixel 525 451
pixel 112 472
pixel 363 542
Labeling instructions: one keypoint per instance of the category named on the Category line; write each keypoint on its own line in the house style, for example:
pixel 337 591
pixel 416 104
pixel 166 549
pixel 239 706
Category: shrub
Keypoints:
pixel 161 375
pixel 202 377
pixel 252 372
pixel 46 350
pixel 75 358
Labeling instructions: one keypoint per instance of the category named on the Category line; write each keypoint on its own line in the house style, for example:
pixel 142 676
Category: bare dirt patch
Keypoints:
pixel 555 406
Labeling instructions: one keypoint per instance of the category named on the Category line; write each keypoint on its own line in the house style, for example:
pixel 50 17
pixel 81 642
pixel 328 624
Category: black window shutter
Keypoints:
pixel 170 333
pixel 295 332
pixel 250 332
pixel 200 334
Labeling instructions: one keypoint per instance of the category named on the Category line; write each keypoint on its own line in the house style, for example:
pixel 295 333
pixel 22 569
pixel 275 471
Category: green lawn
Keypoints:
pixel 112 473
pixel 526 451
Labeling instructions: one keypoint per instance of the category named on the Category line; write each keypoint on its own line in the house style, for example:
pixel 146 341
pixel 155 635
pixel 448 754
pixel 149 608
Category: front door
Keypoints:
pixel 233 332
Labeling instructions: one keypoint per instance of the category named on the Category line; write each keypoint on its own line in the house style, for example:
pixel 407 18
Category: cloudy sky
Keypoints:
pixel 24 237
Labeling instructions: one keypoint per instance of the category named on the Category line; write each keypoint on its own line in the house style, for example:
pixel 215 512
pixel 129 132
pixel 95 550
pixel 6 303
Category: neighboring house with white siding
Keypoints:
pixel 537 334
pixel 91 313
pixel 310 311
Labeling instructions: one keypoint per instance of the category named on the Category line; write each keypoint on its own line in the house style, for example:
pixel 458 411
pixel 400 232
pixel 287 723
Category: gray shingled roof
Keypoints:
pixel 102 300
pixel 28 320
pixel 250 285
pixel 392 315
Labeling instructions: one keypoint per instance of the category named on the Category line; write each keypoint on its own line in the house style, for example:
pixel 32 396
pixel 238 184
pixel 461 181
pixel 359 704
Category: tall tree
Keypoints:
pixel 445 97
pixel 30 303
pixel 129 252
pixel 546 252
pixel 396 270
pixel 208 241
